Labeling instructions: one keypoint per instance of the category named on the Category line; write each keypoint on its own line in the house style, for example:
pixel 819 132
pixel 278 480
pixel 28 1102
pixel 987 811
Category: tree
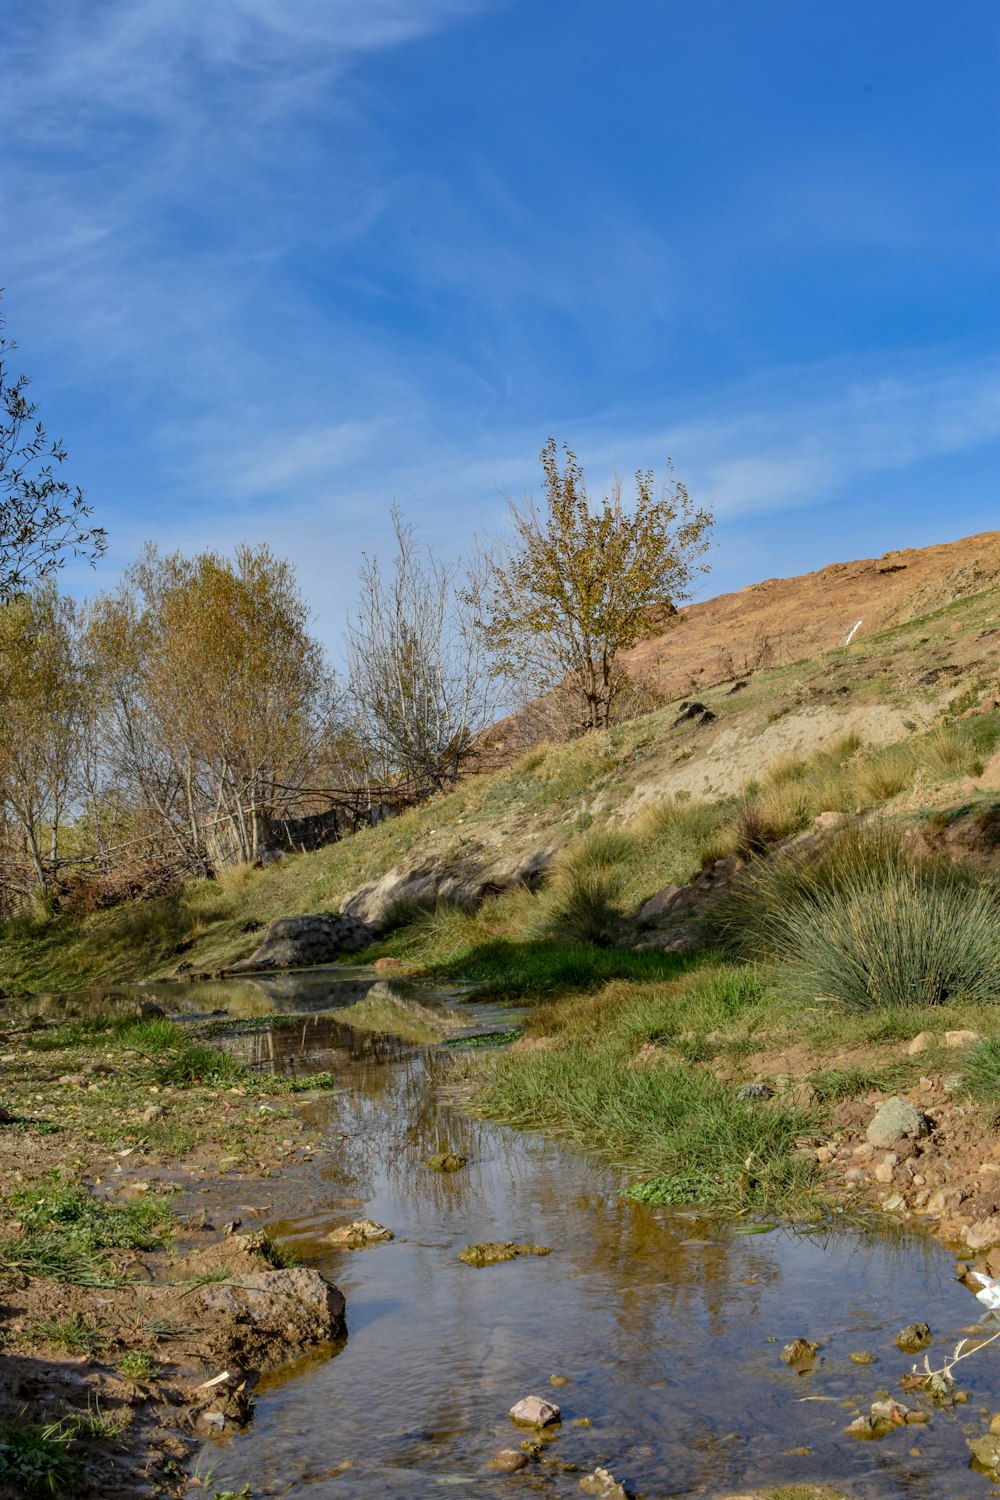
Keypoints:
pixel 42 517
pixel 578 586
pixel 215 695
pixel 43 683
pixel 421 676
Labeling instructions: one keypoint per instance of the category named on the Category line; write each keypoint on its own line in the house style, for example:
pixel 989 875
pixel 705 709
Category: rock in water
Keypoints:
pixel 800 1355
pixel 262 1321
pixel 913 1338
pixel 896 1120
pixel 508 1461
pixel 359 1234
pixel 446 1161
pixel 492 1252
pixel 292 941
pixel 535 1411
pixel 604 1485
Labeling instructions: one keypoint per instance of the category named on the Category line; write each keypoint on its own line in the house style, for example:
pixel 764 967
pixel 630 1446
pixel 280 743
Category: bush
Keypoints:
pixel 866 926
pixel 582 903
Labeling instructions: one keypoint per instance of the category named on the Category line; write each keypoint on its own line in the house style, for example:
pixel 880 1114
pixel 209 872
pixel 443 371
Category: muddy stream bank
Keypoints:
pixel 663 1328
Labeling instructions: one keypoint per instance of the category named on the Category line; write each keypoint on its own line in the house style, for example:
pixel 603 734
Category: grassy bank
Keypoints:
pixel 649 1074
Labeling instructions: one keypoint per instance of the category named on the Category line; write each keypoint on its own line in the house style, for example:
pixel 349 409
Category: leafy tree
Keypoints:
pixel 215 695
pixel 42 517
pixel 580 584
pixel 43 687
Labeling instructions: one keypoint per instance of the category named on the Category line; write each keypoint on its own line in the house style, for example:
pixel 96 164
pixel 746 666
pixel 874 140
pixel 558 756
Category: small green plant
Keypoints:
pixel 35 1459
pixel 981 1071
pixel 277 1254
pixel 137 1364
pixel 96 1426
pixel 74 1334
pixel 833 1084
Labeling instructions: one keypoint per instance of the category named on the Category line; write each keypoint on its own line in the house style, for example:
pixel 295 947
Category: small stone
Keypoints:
pixel 446 1161
pixel 985 1453
pixel 535 1411
pixel 960 1038
pixel 885 1168
pixel 916 1418
pixel 750 1091
pixel 953 1083
pixel 154 1112
pixel 913 1338
pixel 995 1425
pixel 359 1234
pixel 559 1380
pixel 861 1357
pixel 800 1354
pixel 897 1120
pixel 604 1485
pixel 508 1461
pixel 890 1411
pixel 920 1043
pixel 866 1428
pixel 894 1204
pixel 983 1235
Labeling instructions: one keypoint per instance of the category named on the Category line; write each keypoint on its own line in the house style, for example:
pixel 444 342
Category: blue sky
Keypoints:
pixel 272 265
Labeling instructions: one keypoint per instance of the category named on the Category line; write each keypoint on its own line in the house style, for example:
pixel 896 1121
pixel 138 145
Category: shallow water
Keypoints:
pixel 667 1325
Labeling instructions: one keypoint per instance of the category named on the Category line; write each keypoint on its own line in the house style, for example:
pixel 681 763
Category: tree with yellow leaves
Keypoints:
pixel 580 584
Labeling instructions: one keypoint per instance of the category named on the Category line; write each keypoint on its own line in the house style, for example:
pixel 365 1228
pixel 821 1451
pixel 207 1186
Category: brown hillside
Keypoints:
pixel 784 619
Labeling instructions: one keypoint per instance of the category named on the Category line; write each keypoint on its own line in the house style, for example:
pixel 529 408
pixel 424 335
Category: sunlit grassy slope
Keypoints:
pixel 874 723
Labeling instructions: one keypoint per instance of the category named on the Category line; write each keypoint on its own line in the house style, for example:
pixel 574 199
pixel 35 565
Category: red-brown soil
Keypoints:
pixel 784 619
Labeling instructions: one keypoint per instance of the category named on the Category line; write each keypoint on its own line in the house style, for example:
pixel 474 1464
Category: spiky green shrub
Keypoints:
pixel 583 900
pixel 867 926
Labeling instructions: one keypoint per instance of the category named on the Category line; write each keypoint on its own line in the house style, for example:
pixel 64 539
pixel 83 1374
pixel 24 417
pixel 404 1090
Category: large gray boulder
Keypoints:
pixel 292 941
pixel 465 879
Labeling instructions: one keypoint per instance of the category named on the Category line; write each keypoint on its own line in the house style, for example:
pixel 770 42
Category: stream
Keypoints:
pixel 665 1325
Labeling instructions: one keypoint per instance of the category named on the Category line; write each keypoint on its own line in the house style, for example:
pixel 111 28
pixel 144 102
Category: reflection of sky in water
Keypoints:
pixel 661 1320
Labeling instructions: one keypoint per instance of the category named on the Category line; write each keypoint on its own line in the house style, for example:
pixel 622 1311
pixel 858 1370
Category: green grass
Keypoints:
pixel 67 1232
pixel 545 968
pixel 833 1084
pixel 137 1364
pixel 35 1459
pixel 686 1133
pixel 981 1071
pixel 622 1074
pixel 74 1335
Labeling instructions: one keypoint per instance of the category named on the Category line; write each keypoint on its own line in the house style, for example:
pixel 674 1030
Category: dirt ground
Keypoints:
pixel 164 1350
